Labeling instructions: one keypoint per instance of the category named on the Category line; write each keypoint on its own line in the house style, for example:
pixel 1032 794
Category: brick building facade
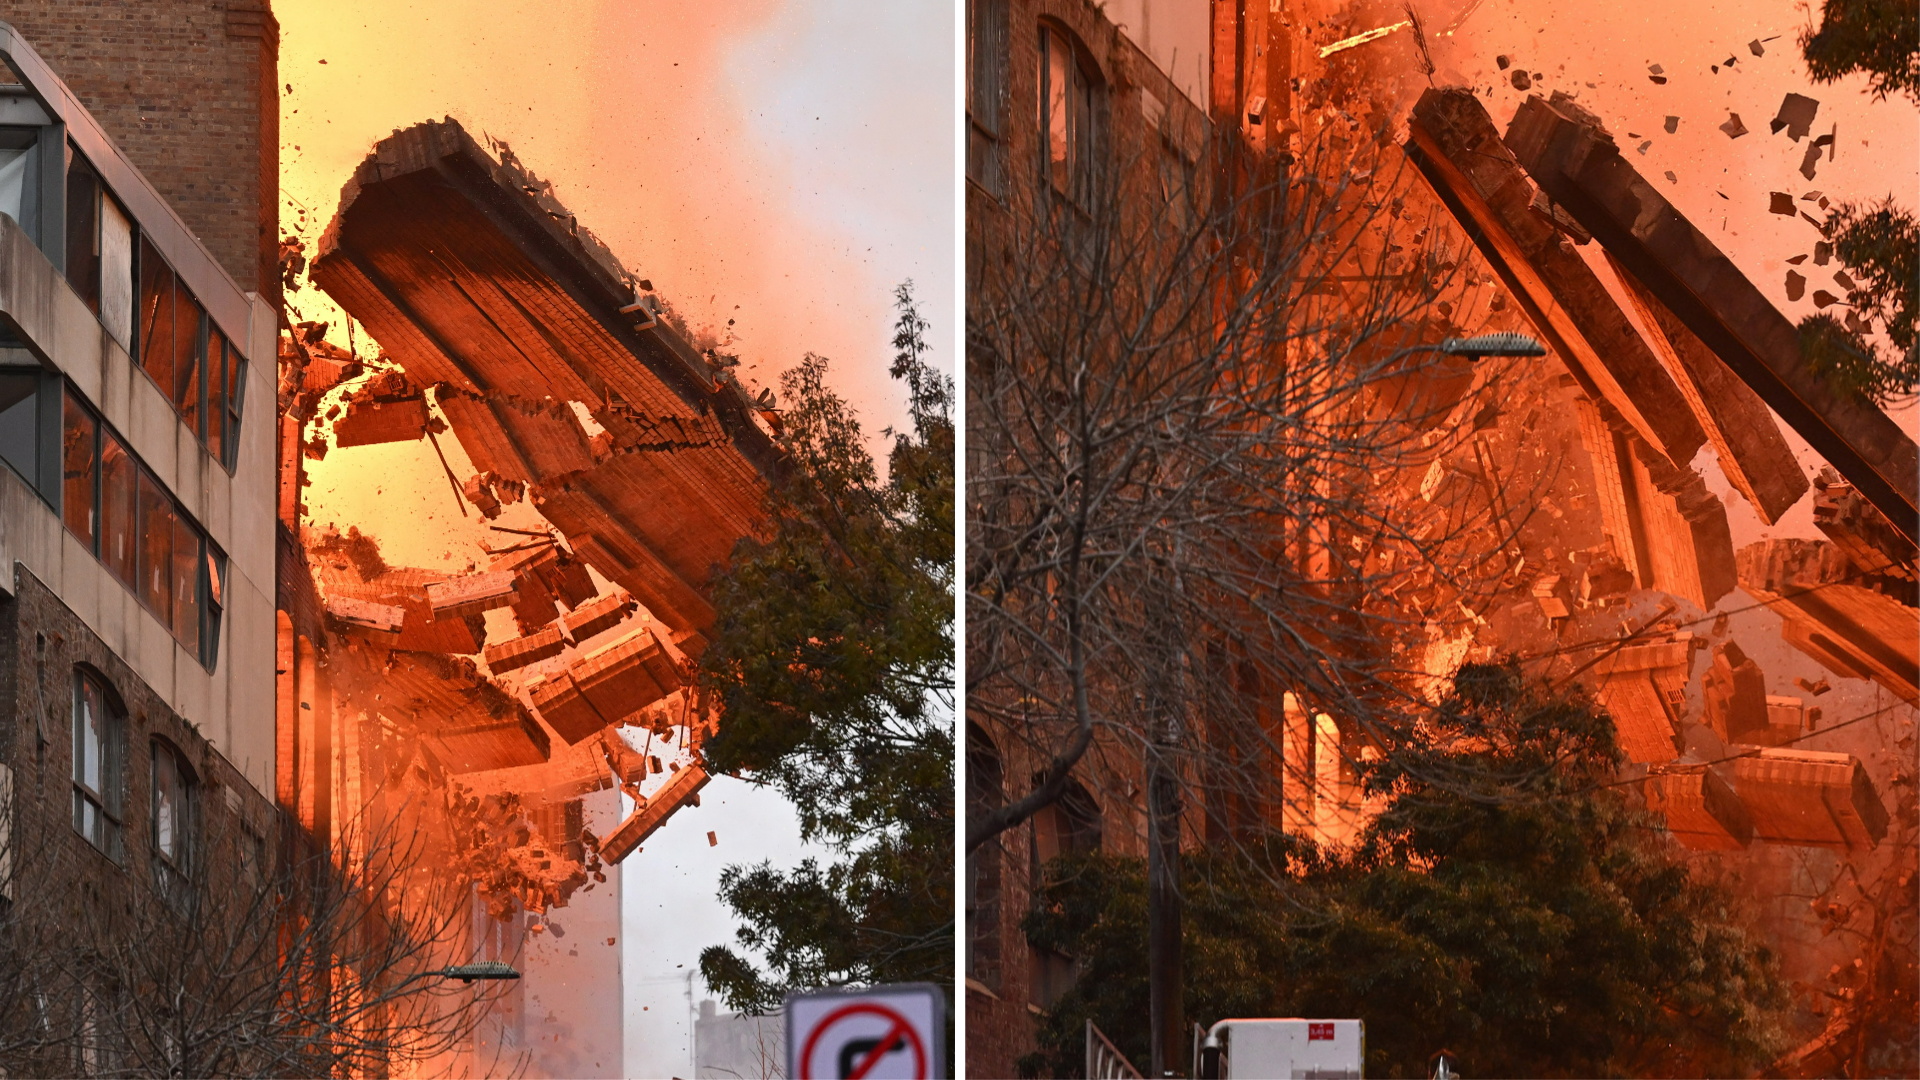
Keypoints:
pixel 138 196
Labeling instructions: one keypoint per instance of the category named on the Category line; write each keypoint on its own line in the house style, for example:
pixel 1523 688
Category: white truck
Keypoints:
pixel 1284 1049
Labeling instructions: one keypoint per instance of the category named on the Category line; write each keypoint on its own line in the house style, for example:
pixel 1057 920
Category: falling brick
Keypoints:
pixel 1796 286
pixel 1672 179
pixel 1844 280
pixel 1811 159
pixel 1822 252
pixel 1673 124
pixel 1796 260
pixel 1733 127
pixel 471 594
pixel 1521 81
pixel 1780 203
pixel 1805 797
pixel 1823 299
pixel 1795 115
pixel 1504 61
pixel 598 616
pixel 712 840
pixel 1757 49
pixel 522 651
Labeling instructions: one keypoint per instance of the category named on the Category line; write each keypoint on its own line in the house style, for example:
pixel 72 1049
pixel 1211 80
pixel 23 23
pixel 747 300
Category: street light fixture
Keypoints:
pixel 1502 344
pixel 484 969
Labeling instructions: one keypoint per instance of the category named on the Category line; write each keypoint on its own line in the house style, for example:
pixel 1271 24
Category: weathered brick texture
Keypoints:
pixel 189 91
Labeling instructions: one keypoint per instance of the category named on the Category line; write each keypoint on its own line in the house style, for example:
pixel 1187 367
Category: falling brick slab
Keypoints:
pixel 470 274
pixel 1734 690
pixel 1753 454
pixel 619 679
pixel 366 423
pixel 1582 169
pixel 598 615
pixel 1805 797
pixel 1862 532
pixel 521 651
pixel 477 726
pixel 565 709
pixel 520 438
pixel 684 788
pixel 471 594
pixel 381 623
pixel 1457 148
pixel 1644 689
pixel 1835 614
pixel 1702 811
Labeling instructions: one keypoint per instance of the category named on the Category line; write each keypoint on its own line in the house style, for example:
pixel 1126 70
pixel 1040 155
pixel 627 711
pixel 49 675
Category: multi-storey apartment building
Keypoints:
pixel 138 318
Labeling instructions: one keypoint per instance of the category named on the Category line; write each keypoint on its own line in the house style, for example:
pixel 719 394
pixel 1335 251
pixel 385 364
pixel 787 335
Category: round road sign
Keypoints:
pixel 863 1040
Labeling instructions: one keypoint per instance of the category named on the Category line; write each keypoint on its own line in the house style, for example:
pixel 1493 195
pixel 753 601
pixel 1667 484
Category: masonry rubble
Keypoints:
pixel 569 387
pixel 1681 353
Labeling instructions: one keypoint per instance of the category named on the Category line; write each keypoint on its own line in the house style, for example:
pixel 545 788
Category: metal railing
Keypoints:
pixel 1104 1060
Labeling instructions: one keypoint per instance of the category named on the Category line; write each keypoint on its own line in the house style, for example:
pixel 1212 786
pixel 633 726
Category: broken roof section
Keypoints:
pixel 482 286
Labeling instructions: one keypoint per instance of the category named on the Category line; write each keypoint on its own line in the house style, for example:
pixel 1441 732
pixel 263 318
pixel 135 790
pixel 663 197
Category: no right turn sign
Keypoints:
pixel 893 1032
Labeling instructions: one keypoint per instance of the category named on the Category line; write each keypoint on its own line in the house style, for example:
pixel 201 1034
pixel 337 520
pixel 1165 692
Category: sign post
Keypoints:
pixel 895 1032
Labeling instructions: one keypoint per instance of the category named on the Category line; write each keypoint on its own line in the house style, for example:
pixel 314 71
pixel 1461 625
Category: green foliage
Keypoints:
pixel 1881 245
pixel 832 659
pixel 1505 906
pixel 1878 37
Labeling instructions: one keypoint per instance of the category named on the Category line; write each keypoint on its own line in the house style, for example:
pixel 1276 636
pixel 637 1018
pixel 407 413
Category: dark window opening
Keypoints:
pixel 986 91
pixel 985 791
pixel 83 231
pixel 20 421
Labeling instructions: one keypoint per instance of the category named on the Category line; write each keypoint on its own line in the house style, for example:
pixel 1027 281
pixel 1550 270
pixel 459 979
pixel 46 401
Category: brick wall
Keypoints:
pixel 189 91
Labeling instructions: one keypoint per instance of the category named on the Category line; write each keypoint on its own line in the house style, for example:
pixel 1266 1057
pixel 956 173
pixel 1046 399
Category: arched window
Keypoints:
pixel 1071 826
pixel 1070 115
pixel 173 812
pixel 985 791
pixel 99 756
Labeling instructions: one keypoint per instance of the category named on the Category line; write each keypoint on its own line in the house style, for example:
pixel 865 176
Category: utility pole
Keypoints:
pixel 1163 897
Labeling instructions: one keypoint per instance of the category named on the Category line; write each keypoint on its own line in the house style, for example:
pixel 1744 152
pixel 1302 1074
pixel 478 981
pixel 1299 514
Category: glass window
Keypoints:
pixel 216 392
pixel 235 395
pixel 172 807
pixel 79 450
pixel 20 421
pixel 156 317
pixel 119 500
pixel 99 733
pixel 156 547
pixel 83 230
pixel 186 583
pixel 186 358
pixel 1067 115
pixel 116 271
pixel 18 187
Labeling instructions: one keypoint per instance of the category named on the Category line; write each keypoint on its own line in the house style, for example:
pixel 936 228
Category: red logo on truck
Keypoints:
pixel 1319 1031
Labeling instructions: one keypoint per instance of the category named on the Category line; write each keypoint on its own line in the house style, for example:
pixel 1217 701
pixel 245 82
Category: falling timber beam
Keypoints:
pixel 1578 166
pixel 1453 142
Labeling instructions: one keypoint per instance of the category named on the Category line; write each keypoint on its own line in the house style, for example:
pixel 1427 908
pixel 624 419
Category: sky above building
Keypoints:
pixel 775 169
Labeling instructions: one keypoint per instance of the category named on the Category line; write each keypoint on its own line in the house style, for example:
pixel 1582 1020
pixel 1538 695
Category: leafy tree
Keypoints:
pixel 832 659
pixel 1881 244
pixel 1878 37
pixel 1509 903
